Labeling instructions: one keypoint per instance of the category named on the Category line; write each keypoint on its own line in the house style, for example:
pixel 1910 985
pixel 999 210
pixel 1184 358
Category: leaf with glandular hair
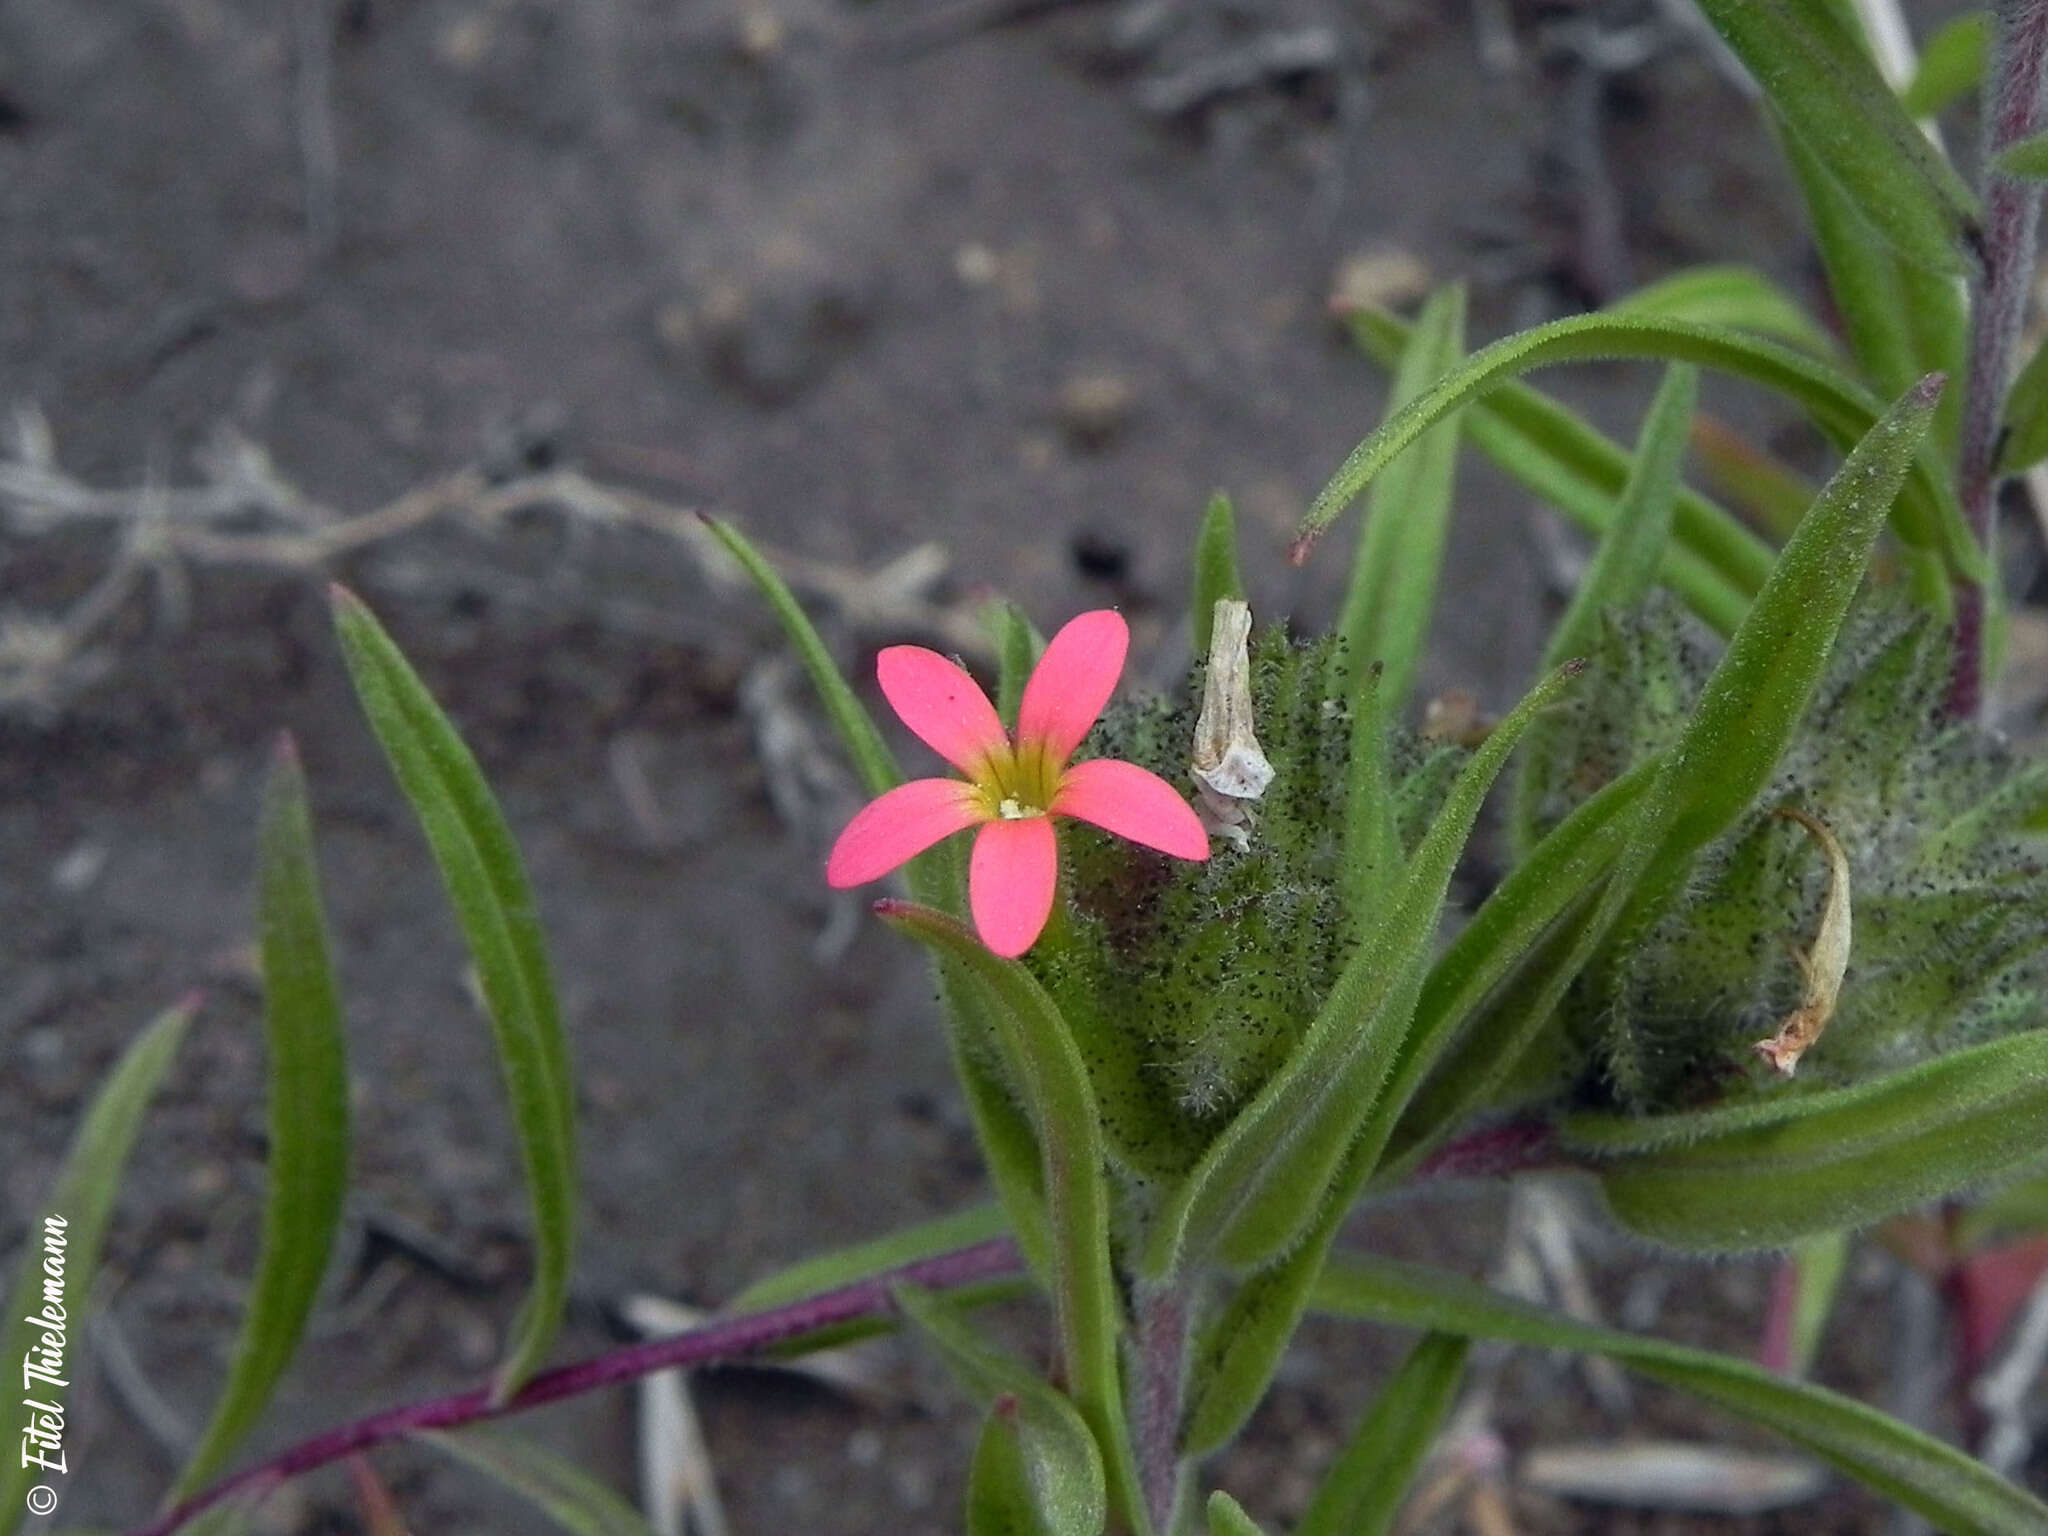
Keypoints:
pixel 1260 1183
pixel 564 1492
pixel 1893 1459
pixel 1824 84
pixel 1035 1451
pixel 1391 596
pixel 486 885
pixel 1731 295
pixel 1926 515
pixel 80 1206
pixel 1951 66
pixel 1623 569
pixel 308 1121
pixel 1363 1489
pixel 1227 1517
pixel 1766 1172
pixel 1216 572
pixel 1713 562
pixel 1039 1050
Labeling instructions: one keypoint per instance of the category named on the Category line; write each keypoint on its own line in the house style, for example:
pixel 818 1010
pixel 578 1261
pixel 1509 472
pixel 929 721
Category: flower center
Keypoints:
pixel 1010 808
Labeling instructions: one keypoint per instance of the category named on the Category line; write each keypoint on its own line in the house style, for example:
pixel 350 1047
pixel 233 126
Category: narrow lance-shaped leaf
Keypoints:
pixel 1240 1350
pixel 1768 1174
pixel 1951 66
pixel 1216 572
pixel 308 1119
pixel 1392 592
pixel 2026 416
pixel 1926 514
pixel 1826 87
pixel 1714 562
pixel 936 878
pixel 1018 647
pixel 1372 844
pixel 864 1261
pixel 1263 1179
pixel 1736 296
pixel 1364 1488
pixel 564 1492
pixel 1745 716
pixel 1050 1075
pixel 1621 573
pixel 1227 1517
pixel 1040 1435
pixel 1897 1461
pixel 487 887
pixel 1468 1050
pixel 61 1250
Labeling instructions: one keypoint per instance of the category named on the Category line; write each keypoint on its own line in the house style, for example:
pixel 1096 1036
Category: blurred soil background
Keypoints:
pixel 935 300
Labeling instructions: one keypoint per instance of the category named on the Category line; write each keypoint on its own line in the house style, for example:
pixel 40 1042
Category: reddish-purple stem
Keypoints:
pixel 1997 311
pixel 1162 1349
pixel 728 1339
pixel 1519 1146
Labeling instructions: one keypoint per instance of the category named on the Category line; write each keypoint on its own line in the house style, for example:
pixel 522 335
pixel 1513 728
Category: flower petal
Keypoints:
pixel 1010 882
pixel 1132 802
pixel 1071 683
pixel 942 705
pixel 898 826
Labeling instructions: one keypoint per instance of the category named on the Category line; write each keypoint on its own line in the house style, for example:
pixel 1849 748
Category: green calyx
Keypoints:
pixel 1188 985
pixel 1947 887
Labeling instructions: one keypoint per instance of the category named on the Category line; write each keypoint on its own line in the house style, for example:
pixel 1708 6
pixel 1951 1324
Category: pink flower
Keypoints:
pixel 1012 789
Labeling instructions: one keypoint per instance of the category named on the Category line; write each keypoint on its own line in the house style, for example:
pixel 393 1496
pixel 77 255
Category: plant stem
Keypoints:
pixel 1162 1348
pixel 1493 1152
pixel 728 1339
pixel 1997 311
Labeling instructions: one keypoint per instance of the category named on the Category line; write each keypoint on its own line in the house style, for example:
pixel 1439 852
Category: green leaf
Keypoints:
pixel 1363 1490
pixel 1715 562
pixel 70 1227
pixel 1756 694
pixel 2026 416
pixel 569 1496
pixel 1951 66
pixel 1730 295
pixel 856 727
pixel 1052 1447
pixel 1926 514
pixel 1000 1498
pixel 1372 843
pixel 1623 569
pixel 1018 647
pixel 1767 1173
pixel 1895 1460
pixel 1766 490
pixel 1227 1517
pixel 1392 593
pixel 936 878
pixel 1491 952
pixel 1049 1073
pixel 487 887
pixel 308 1121
pixel 1263 1179
pixel 1216 572
pixel 1819 1262
pixel 864 1261
pixel 2027 160
pixel 1824 84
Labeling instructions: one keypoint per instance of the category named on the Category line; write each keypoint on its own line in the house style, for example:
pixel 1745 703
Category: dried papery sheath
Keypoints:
pixel 1228 767
pixel 1824 966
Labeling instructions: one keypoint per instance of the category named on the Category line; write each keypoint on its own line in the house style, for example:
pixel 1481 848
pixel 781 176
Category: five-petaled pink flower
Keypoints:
pixel 1013 789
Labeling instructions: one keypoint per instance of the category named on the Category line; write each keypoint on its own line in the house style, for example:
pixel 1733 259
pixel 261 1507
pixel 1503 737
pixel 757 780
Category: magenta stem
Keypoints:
pixel 1519 1146
pixel 1162 1351
pixel 728 1339
pixel 1997 313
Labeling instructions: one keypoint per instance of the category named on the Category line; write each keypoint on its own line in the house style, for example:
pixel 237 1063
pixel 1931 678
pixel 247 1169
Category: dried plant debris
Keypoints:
pixel 244 512
pixel 1230 769
pixel 1950 883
